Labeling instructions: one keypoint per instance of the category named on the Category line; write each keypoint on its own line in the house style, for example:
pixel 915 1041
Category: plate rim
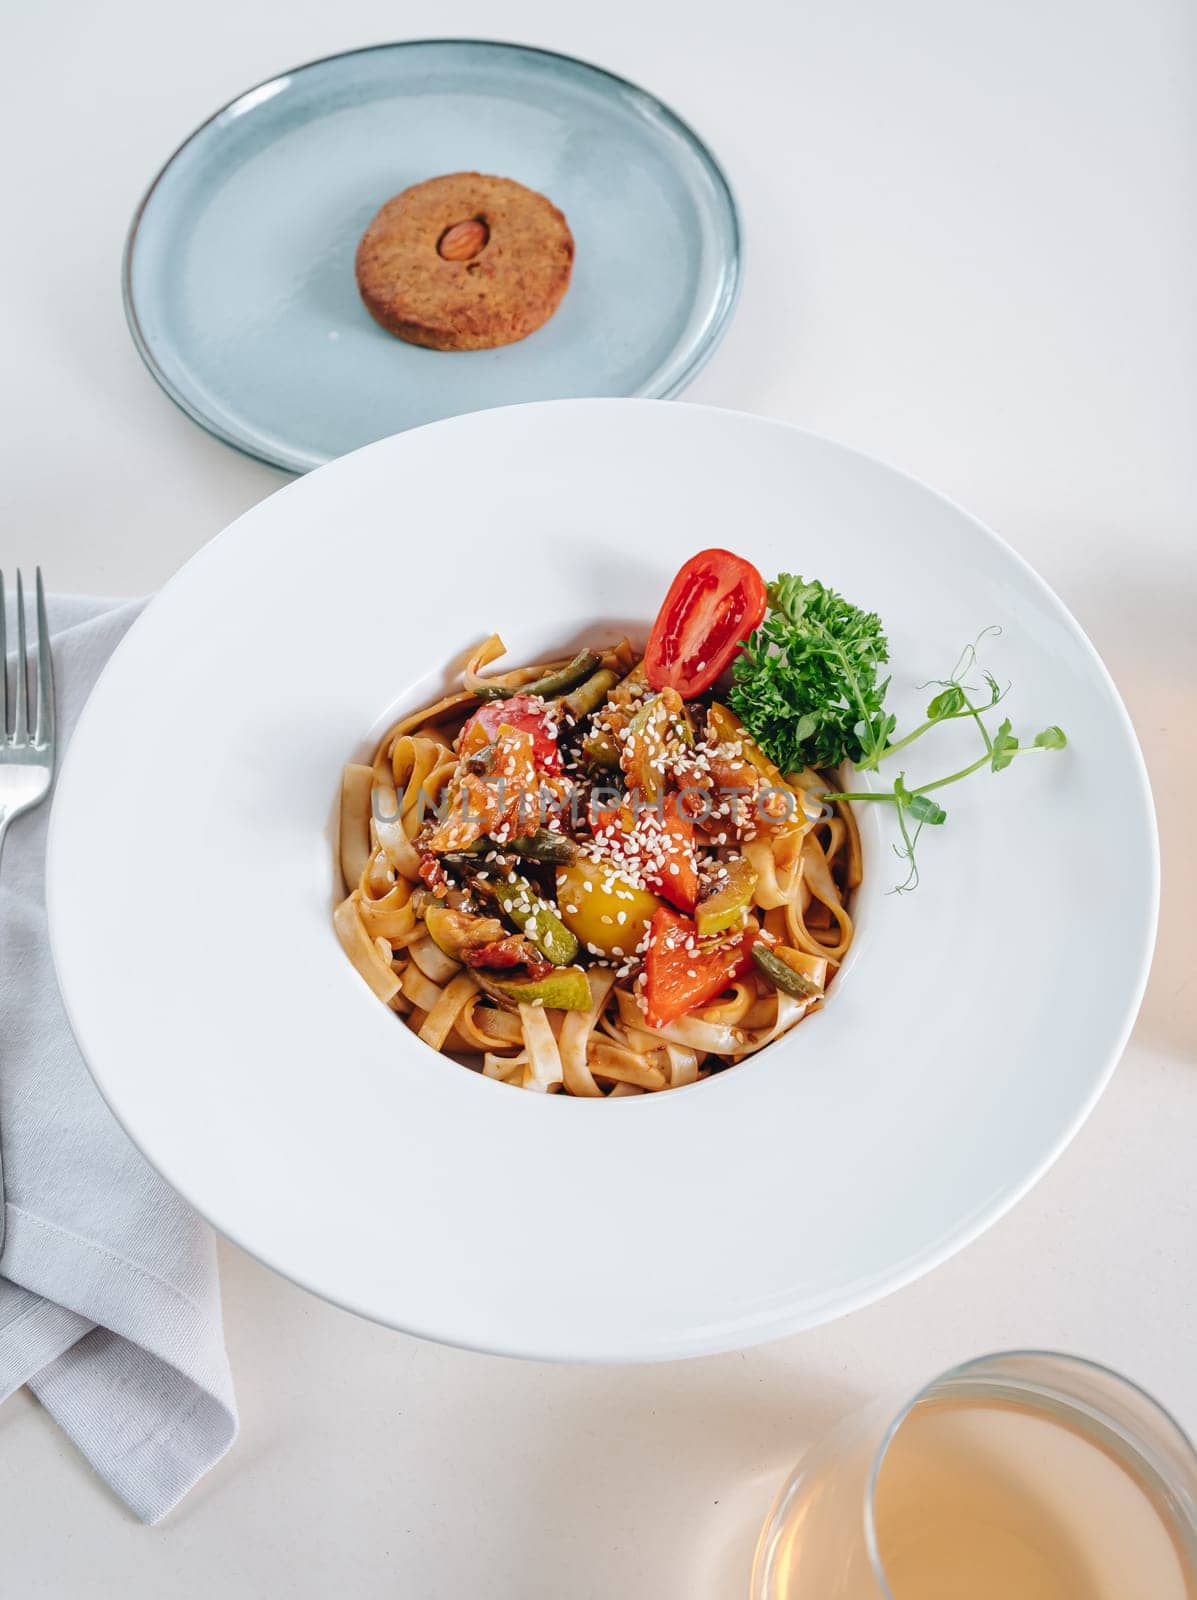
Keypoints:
pixel 295 462
pixel 787 1321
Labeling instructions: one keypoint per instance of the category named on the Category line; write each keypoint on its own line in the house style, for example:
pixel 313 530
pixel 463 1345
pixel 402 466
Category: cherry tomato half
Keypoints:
pixel 713 604
pixel 521 711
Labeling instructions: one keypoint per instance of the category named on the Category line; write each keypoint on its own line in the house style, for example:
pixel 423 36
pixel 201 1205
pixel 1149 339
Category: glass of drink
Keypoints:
pixel 1024 1476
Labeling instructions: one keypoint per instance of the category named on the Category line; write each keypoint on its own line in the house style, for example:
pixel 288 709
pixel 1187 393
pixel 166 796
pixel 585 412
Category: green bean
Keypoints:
pixel 543 845
pixel 783 976
pixel 552 683
pixel 534 918
pixel 590 694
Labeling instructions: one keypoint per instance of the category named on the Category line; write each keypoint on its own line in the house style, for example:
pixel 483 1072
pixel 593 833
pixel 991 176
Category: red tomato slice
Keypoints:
pixel 526 714
pixel 713 604
pixel 678 978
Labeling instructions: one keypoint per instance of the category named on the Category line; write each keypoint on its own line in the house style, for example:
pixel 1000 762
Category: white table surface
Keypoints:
pixel 971 235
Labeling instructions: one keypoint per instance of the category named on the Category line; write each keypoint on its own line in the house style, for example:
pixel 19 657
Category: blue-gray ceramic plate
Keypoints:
pixel 239 269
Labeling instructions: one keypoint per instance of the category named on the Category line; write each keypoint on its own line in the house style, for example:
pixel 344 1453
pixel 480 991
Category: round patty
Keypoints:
pixel 465 262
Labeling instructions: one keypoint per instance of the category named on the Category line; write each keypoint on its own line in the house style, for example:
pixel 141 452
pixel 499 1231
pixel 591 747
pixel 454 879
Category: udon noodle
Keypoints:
pixel 572 884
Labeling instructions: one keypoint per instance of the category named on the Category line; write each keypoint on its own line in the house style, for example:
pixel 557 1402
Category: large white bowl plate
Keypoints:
pixel 190 887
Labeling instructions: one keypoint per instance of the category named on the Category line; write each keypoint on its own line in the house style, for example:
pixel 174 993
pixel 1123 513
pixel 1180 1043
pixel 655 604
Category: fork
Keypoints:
pixel 26 759
pixel 26 756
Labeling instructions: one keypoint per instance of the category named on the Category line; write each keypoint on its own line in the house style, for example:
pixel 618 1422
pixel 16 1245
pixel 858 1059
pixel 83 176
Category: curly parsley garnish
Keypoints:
pixel 807 690
pixel 806 685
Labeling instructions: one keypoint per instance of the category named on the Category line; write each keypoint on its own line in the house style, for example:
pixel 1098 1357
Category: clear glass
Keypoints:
pixel 821 1539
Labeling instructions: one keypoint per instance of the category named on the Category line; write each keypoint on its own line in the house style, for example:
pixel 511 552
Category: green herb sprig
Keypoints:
pixel 806 685
pixel 807 690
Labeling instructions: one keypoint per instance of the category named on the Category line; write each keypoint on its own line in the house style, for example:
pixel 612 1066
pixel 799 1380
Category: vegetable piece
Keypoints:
pixel 780 805
pixel 650 732
pixel 590 694
pixel 677 881
pixel 601 749
pixel 665 846
pixel 620 657
pixel 566 677
pixel 630 687
pixel 807 686
pixel 713 604
pixel 681 975
pixel 563 989
pixel 512 950
pixel 606 912
pixel 724 905
pixel 544 845
pixel 783 976
pixel 520 901
pixel 481 942
pixel 601 745
pixel 463 861
pixel 724 727
pixel 557 682
pixel 813 967
pixel 472 807
pixel 455 932
pixel 526 715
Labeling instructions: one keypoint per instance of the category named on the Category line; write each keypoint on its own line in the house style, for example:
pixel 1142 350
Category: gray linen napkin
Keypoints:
pixel 109 1296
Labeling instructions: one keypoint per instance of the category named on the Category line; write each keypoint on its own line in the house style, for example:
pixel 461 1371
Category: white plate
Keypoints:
pixel 190 885
pixel 239 268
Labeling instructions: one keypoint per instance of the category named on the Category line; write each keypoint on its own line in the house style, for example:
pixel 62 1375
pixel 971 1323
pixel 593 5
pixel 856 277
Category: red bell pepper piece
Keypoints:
pixel 681 974
pixel 679 887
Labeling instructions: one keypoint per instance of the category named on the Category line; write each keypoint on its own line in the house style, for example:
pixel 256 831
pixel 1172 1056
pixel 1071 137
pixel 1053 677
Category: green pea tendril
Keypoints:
pixel 808 688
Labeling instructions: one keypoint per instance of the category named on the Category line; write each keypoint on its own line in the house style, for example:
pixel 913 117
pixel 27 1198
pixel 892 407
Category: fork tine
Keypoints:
pixel 3 666
pixel 44 732
pixel 20 726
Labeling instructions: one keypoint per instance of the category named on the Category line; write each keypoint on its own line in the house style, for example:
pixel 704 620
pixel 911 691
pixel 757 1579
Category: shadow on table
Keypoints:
pixel 705 1447
pixel 1143 628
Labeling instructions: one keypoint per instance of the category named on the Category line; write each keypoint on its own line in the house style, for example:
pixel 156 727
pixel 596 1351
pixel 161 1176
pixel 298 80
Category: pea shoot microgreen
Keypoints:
pixel 807 689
